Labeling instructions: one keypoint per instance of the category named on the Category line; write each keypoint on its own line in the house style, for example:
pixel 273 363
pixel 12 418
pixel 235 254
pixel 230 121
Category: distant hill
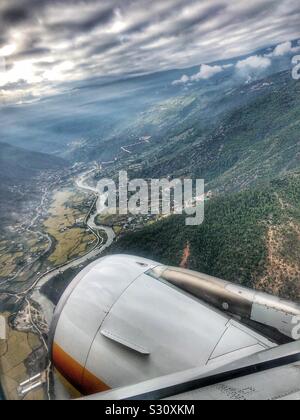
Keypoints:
pixel 234 138
pixel 251 238
pixel 19 167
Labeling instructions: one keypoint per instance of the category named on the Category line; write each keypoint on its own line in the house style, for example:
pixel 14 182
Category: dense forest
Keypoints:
pixel 251 237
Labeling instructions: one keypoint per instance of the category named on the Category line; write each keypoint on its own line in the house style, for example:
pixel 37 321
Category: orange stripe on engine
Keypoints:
pixel 77 375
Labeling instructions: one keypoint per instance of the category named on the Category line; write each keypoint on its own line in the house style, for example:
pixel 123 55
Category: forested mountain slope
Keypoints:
pixel 251 237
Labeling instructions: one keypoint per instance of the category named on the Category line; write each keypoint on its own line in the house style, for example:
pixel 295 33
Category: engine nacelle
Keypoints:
pixel 117 324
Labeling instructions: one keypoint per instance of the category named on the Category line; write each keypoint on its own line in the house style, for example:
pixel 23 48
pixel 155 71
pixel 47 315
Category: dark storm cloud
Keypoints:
pixel 14 15
pixel 103 47
pixel 189 23
pixel 86 25
pixel 21 84
pixel 62 40
pixel 3 40
pixel 31 53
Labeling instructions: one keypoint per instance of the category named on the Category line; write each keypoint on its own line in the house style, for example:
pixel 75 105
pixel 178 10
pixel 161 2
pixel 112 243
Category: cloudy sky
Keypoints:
pixel 46 43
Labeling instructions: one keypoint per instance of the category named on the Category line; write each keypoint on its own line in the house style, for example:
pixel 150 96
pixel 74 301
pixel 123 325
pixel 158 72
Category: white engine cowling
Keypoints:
pixel 117 325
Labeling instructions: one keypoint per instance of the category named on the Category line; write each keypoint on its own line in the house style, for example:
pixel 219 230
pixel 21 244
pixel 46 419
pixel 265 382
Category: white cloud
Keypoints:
pixel 21 70
pixel 255 62
pixel 285 48
pixel 206 72
pixel 7 50
pixel 185 79
pixel 282 49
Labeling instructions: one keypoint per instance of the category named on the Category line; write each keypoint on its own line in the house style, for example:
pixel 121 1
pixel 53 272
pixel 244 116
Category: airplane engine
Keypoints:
pixel 120 323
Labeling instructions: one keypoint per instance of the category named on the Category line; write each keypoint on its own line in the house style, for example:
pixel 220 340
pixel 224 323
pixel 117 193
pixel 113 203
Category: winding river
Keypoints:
pixel 37 296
